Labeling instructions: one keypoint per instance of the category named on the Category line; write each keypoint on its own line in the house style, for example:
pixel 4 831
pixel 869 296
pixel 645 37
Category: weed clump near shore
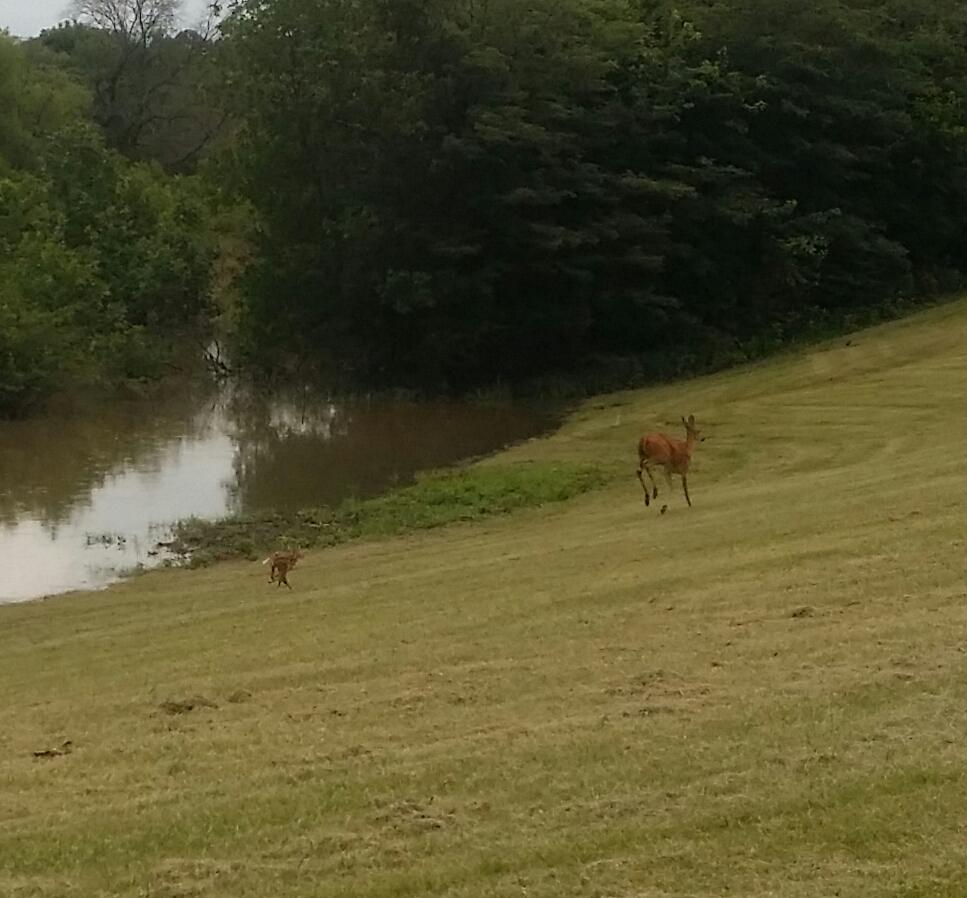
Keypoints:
pixel 436 499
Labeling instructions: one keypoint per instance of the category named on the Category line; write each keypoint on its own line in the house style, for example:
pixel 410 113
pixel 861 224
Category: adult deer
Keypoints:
pixel 668 453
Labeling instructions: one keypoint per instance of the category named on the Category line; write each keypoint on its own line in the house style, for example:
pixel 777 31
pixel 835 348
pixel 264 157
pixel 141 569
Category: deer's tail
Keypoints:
pixel 266 560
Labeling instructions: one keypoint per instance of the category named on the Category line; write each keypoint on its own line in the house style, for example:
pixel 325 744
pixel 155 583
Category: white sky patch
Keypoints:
pixel 27 18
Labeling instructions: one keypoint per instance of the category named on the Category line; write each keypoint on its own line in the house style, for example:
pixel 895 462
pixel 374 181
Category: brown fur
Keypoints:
pixel 674 456
pixel 282 563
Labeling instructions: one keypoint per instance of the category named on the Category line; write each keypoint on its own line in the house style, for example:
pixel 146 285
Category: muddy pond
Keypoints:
pixel 87 492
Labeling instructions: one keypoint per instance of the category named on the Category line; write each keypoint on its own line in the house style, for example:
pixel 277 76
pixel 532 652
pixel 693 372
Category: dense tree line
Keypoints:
pixel 452 192
pixel 443 194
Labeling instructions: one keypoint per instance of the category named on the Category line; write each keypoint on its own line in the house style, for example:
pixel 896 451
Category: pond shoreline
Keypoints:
pixel 89 490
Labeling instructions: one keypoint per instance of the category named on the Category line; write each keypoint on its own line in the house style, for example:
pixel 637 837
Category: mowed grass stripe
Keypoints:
pixel 763 695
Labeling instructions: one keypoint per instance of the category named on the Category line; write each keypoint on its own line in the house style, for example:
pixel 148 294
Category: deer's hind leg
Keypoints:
pixel 642 482
pixel 644 466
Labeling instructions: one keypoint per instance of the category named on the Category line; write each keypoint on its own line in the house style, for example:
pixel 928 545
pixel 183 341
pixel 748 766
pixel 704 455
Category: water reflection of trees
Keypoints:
pixel 293 451
pixel 51 464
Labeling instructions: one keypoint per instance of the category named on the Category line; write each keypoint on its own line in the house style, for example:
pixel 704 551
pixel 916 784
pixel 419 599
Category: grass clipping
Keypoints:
pixel 436 499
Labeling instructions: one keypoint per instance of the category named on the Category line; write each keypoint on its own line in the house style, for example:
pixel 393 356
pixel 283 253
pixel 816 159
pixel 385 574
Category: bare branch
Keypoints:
pixel 138 21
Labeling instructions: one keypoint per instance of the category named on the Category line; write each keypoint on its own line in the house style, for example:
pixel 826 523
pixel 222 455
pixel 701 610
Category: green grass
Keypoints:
pixel 763 695
pixel 436 499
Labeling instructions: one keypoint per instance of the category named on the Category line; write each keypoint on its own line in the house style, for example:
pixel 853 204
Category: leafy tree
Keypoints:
pixel 104 265
pixel 36 99
pixel 442 185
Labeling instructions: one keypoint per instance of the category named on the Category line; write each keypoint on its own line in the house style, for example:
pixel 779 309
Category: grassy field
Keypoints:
pixel 764 695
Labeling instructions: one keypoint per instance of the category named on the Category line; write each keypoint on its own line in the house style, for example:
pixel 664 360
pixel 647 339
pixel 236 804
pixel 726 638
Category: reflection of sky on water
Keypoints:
pixel 84 552
pixel 84 497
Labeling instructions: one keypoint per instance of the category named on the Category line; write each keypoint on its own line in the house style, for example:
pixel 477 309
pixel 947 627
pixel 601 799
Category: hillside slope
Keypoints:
pixel 765 694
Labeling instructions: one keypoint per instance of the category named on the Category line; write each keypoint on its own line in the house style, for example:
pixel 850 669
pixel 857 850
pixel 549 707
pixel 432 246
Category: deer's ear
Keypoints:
pixel 684 421
pixel 691 420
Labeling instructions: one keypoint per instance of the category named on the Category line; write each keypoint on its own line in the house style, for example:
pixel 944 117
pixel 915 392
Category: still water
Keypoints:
pixel 87 493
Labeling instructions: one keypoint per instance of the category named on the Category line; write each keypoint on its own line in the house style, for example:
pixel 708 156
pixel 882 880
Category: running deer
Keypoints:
pixel 668 453
pixel 282 563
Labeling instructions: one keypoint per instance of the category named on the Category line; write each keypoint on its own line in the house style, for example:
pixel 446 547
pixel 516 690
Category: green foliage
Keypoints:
pixel 104 265
pixel 451 193
pixel 30 357
pixel 154 249
pixel 442 169
pixel 36 99
pixel 433 501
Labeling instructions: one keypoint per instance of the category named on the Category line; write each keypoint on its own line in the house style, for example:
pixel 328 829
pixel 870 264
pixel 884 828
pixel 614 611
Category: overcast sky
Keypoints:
pixel 26 18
